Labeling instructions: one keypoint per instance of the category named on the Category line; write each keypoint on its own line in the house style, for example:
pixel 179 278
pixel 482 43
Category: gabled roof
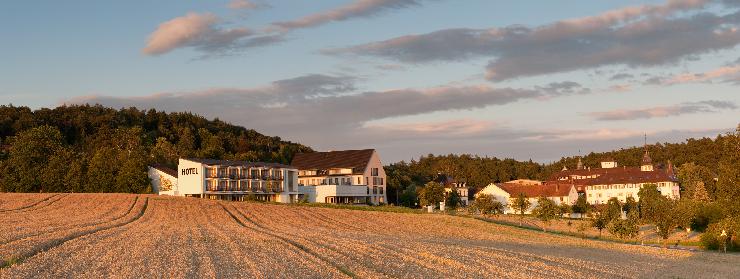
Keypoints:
pixel 165 169
pixel 357 160
pixel 617 176
pixel 533 191
pixel 214 162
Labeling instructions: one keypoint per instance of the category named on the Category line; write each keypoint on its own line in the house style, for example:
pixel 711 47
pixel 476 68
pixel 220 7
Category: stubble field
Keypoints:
pixel 145 236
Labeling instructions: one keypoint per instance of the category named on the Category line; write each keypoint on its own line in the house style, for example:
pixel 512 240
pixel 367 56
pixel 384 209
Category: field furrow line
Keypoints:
pixel 288 241
pixel 30 205
pixel 71 227
pixel 11 259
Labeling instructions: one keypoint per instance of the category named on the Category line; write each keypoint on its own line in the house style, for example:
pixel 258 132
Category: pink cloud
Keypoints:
pixel 194 30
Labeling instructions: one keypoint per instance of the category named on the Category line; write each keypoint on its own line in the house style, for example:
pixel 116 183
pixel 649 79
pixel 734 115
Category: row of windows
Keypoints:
pixel 254 186
pixel 624 186
pixel 213 172
pixel 339 181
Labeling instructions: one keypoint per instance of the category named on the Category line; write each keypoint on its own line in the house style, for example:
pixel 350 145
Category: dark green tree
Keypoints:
pixel 452 200
pixel 29 156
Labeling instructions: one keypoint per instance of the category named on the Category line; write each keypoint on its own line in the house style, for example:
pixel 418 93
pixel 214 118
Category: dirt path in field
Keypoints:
pixel 156 237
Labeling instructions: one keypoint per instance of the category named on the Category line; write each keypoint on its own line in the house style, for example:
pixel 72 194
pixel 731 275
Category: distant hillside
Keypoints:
pixel 480 171
pixel 90 144
pixel 705 152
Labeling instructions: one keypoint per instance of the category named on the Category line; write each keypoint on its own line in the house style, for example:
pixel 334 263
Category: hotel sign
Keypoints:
pixel 189 171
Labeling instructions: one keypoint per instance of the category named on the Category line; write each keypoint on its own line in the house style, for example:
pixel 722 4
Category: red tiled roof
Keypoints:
pixel 165 169
pixel 357 160
pixel 616 176
pixel 532 191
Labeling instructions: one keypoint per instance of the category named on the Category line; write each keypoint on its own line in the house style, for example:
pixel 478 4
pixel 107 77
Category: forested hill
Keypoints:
pixel 98 149
pixel 705 156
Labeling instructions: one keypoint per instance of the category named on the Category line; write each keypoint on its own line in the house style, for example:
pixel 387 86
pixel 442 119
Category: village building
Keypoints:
pixel 227 180
pixel 450 184
pixel 349 176
pixel 613 181
pixel 560 193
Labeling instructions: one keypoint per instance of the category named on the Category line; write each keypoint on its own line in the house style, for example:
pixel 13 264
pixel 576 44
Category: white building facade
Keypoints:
pixel 504 192
pixel 234 180
pixel 611 181
pixel 349 176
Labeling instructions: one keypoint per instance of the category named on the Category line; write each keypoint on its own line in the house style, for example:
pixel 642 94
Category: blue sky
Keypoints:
pixel 521 79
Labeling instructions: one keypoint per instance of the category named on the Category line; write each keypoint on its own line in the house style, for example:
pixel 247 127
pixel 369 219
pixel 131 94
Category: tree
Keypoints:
pixel 613 209
pixel 600 221
pixel 649 197
pixel 564 209
pixel 453 199
pixel 165 153
pixel 630 205
pixel 665 217
pixel 691 175
pixel 409 197
pixel 29 156
pixel 520 204
pixel 625 228
pixel 581 206
pixel 728 173
pixel 700 193
pixel 545 210
pixel 432 194
pixel 487 205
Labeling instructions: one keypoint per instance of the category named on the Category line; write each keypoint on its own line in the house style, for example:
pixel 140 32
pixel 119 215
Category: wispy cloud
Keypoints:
pixel 664 111
pixel 246 5
pixel 644 35
pixel 356 9
pixel 199 31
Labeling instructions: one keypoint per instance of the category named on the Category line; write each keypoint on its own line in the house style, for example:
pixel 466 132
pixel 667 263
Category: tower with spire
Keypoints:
pixel 647 163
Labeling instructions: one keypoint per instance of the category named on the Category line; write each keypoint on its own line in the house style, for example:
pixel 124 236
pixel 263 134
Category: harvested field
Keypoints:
pixel 144 236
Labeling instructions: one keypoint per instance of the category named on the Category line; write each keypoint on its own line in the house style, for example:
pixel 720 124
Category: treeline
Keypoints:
pixel 97 149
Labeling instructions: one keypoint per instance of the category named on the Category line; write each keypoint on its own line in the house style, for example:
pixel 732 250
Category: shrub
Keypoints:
pixel 712 240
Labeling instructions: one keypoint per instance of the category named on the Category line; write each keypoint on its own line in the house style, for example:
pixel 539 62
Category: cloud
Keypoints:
pixel 193 30
pixel 356 9
pixel 728 73
pixel 664 111
pixel 318 105
pixel 246 5
pixel 636 36
pixel 330 112
pixel 621 76
pixel 202 33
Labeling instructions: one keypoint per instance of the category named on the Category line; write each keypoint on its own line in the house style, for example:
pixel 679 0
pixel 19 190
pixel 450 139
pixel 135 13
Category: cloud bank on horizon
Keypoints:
pixel 529 90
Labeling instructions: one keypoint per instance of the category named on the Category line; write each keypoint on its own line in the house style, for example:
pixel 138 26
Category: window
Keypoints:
pixel 374 172
pixel 381 190
pixel 359 180
pixel 381 181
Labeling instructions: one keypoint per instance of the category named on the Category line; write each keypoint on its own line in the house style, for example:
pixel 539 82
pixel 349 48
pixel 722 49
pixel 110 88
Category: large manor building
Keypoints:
pixel 613 181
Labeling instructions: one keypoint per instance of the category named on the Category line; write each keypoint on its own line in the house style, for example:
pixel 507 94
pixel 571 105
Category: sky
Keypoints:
pixel 512 79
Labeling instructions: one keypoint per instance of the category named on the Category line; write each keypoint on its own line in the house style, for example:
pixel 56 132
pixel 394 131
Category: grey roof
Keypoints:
pixel 213 162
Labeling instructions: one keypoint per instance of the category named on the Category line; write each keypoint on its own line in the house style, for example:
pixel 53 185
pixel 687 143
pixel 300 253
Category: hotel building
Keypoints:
pixel 349 176
pixel 228 180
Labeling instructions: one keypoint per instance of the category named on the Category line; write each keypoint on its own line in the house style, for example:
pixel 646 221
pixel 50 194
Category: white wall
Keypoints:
pixel 191 183
pixel 375 163
pixel 156 176
pixel 668 189
pixel 320 192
